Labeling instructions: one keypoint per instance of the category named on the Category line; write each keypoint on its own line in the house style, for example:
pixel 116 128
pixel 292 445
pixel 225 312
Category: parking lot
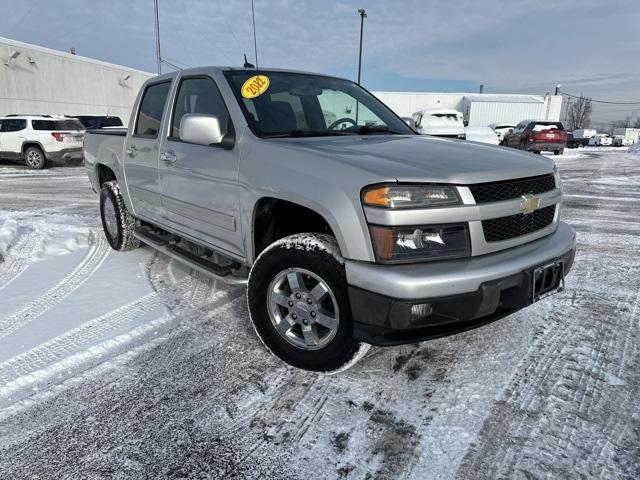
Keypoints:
pixel 134 368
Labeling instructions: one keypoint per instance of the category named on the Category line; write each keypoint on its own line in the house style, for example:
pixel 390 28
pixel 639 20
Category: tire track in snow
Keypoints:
pixel 568 379
pixel 97 253
pixel 18 259
pixel 50 358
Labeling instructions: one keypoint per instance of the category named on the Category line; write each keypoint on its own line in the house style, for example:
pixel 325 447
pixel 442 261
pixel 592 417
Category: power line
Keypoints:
pixel 601 101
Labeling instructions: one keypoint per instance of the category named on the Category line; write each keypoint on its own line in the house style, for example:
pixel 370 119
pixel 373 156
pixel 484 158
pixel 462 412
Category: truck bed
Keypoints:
pixel 117 131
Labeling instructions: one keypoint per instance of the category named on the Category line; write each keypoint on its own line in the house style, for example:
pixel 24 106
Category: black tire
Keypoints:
pixel 318 254
pixel 558 152
pixel 117 222
pixel 34 158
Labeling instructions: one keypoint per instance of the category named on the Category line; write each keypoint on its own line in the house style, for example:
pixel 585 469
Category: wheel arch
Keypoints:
pixel 275 218
pixel 33 143
pixel 104 173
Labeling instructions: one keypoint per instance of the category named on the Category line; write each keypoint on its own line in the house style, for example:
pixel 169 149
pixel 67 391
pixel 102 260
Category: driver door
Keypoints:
pixel 199 183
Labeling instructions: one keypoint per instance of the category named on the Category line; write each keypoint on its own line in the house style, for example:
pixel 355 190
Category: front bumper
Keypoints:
pixel 464 294
pixel 66 155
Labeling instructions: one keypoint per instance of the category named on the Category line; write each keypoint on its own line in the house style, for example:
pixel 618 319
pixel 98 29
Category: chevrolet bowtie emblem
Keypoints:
pixel 529 204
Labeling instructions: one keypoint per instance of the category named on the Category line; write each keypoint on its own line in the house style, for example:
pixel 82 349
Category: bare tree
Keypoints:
pixel 637 124
pixel 579 113
pixel 626 123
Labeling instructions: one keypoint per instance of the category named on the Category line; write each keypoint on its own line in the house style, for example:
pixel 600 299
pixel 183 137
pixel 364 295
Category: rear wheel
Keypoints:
pixel 558 152
pixel 299 306
pixel 117 222
pixel 34 158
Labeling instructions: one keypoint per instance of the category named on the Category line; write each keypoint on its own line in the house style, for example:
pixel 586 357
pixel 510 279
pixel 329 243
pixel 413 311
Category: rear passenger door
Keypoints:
pixel 200 182
pixel 13 133
pixel 141 150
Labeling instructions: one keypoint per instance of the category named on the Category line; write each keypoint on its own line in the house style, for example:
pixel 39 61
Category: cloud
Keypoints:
pixel 521 45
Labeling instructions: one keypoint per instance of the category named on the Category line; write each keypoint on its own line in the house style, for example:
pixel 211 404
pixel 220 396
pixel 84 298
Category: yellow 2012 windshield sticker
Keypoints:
pixel 255 86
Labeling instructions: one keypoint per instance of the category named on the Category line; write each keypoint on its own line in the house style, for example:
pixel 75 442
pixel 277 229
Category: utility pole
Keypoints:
pixel 363 15
pixel 158 56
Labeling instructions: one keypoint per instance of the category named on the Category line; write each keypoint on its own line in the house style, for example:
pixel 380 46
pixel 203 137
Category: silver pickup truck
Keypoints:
pixel 348 228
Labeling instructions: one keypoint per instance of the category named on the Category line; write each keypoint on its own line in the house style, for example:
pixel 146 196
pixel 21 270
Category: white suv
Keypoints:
pixel 41 139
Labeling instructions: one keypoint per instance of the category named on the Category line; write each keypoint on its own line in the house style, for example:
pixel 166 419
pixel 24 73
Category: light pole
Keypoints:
pixel 363 15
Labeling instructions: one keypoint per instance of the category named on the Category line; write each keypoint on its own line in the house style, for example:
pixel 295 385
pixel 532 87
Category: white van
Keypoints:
pixel 439 123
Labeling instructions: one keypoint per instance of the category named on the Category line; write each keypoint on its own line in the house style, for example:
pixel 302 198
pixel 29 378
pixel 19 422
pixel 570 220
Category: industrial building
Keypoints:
pixel 37 80
pixel 478 109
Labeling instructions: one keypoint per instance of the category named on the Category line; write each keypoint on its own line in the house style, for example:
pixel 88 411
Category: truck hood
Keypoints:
pixel 416 158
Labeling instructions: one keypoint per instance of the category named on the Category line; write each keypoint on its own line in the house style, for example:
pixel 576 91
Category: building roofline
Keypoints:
pixel 70 56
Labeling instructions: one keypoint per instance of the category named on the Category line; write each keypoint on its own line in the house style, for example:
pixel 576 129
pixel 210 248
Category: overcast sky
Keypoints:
pixel 525 46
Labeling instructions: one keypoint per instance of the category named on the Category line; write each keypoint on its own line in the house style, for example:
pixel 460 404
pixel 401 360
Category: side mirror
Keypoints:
pixel 201 129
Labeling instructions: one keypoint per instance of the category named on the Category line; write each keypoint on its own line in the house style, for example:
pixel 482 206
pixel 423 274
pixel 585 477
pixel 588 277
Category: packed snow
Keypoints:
pixel 127 365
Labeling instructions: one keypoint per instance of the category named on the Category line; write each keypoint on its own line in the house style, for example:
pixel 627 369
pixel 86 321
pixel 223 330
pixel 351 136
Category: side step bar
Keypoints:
pixel 166 244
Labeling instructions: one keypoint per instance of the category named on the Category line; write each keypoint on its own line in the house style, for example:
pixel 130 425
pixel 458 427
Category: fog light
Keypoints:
pixel 420 311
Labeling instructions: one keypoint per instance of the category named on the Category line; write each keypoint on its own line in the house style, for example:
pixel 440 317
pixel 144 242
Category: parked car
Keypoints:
pixel 501 129
pixel 600 140
pixel 41 139
pixel 439 123
pixel 580 137
pixel 409 121
pixel 345 237
pixel 537 136
pixel 481 135
pixel 632 134
pixel 621 141
pixel 97 121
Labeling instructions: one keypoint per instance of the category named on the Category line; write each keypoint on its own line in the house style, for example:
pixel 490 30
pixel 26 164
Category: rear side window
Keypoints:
pixel 199 95
pixel 42 124
pixel 56 125
pixel 13 125
pixel 151 108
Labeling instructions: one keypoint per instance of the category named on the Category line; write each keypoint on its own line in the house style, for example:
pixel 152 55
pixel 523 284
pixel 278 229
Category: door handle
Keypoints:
pixel 132 151
pixel 168 157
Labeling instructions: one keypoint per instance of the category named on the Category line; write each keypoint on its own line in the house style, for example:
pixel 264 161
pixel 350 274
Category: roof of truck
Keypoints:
pixel 190 71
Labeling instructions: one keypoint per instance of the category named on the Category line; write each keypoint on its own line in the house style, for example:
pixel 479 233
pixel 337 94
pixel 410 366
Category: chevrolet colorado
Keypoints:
pixel 348 228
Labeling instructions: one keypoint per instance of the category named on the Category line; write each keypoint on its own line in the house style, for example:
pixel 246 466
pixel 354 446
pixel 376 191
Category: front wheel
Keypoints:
pixel 117 222
pixel 299 305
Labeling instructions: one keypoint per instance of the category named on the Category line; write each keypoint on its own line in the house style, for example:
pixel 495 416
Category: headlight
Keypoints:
pixel 397 196
pixel 398 244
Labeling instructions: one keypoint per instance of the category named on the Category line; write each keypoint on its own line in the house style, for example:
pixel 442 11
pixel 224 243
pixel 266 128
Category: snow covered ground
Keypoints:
pixel 124 365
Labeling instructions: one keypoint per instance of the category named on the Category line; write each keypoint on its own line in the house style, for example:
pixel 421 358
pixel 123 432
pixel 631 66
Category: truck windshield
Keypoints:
pixel 284 104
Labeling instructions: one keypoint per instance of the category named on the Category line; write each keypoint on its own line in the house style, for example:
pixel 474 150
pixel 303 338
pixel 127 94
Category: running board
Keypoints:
pixel 166 244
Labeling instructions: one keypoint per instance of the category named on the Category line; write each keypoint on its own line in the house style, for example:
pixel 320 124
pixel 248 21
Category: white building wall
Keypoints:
pixel 482 114
pixel 478 109
pixel 44 81
pixel 406 104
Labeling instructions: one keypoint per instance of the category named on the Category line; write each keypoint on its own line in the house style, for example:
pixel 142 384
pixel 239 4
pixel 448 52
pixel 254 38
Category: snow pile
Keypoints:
pixel 8 233
pixel 482 135
pixel 62 242
pixel 635 148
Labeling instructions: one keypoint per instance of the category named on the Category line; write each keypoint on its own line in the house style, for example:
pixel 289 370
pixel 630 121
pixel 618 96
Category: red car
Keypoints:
pixel 537 136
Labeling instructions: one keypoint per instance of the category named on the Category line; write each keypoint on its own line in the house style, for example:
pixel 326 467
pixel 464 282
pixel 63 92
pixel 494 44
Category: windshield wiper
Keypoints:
pixel 305 132
pixel 365 129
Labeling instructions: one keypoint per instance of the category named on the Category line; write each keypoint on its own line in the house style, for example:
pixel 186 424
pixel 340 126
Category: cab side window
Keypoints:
pixel 199 95
pixel 151 108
